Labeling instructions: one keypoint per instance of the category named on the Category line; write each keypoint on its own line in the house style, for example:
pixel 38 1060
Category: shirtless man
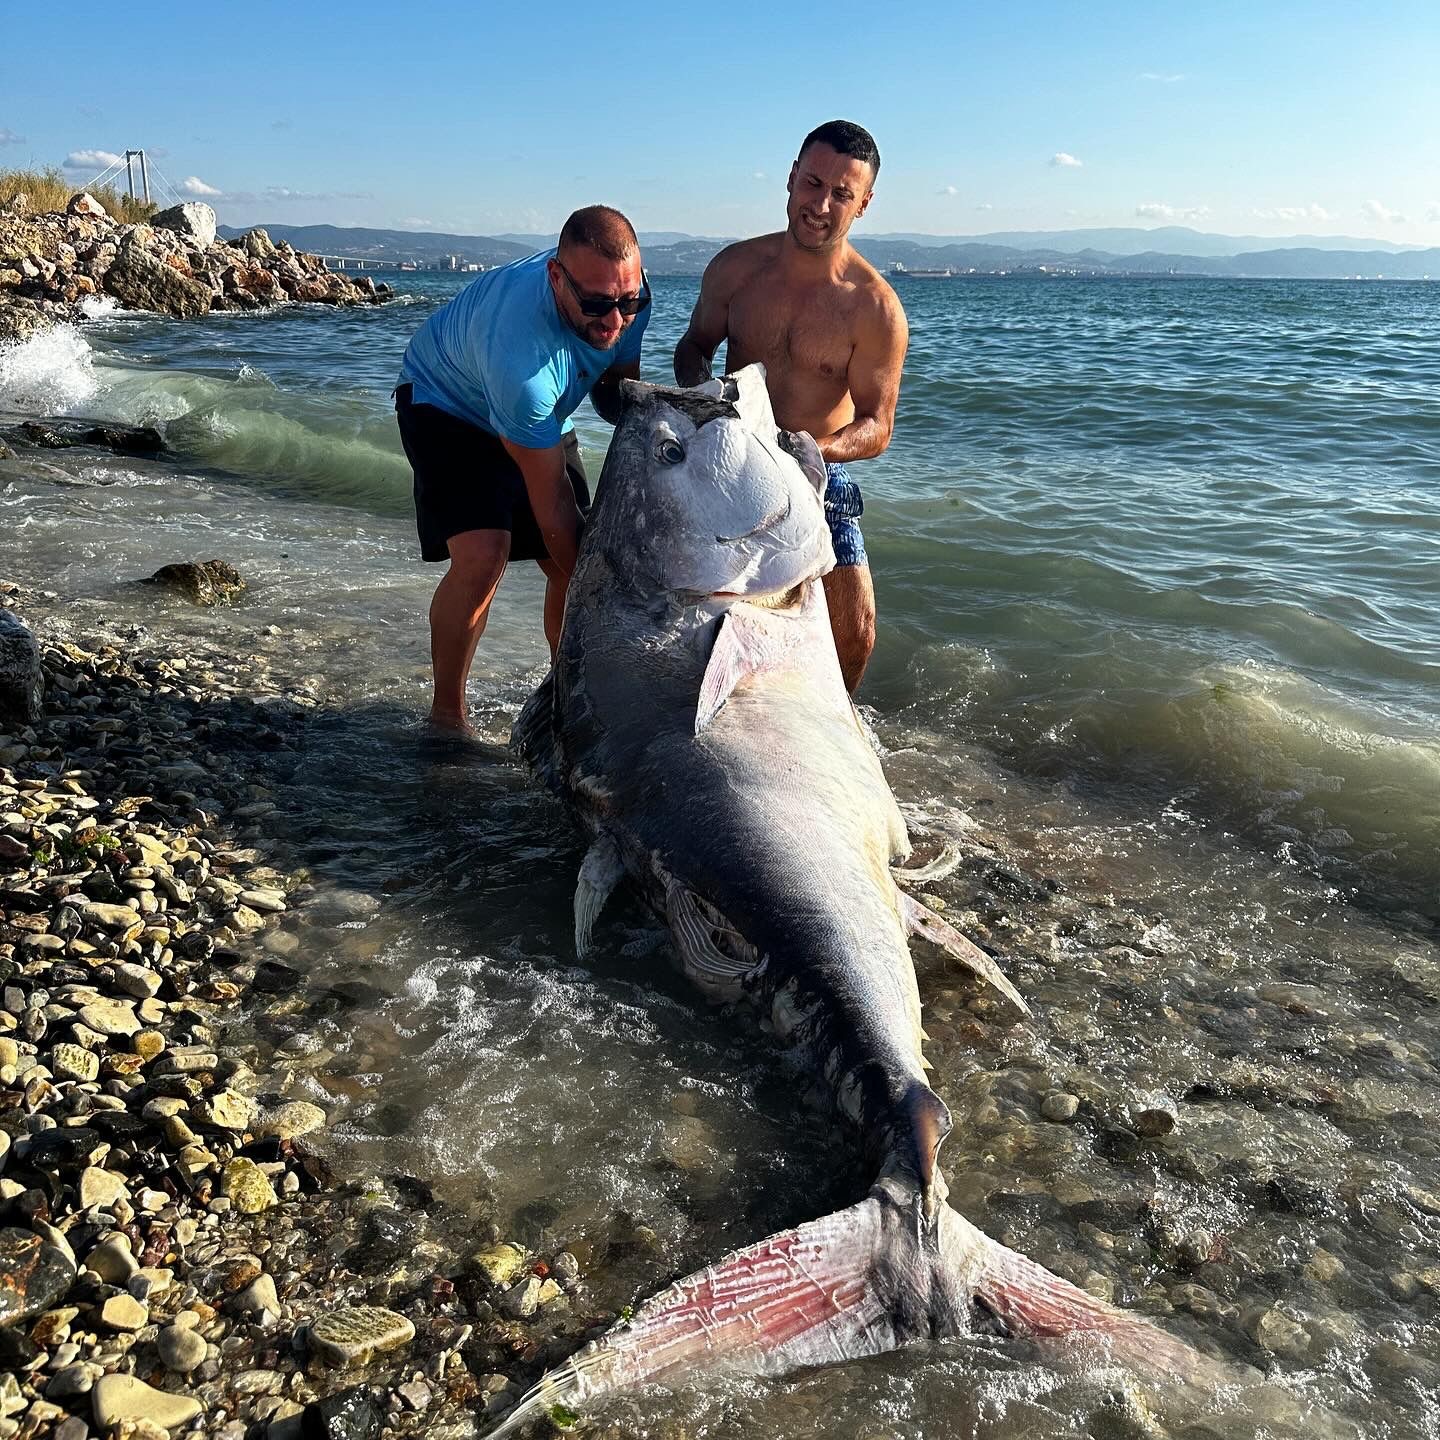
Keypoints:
pixel 831 335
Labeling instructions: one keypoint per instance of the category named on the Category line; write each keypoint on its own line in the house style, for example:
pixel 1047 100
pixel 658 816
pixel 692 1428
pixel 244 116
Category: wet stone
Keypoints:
pixel 350 1415
pixel 33 1275
pixel 499 1264
pixel 286 1122
pixel 350 1336
pixel 1060 1106
pixel 247 1186
pixel 74 1062
pixel 118 1398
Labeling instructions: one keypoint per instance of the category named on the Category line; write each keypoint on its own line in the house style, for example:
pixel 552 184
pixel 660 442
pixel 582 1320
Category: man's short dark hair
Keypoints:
pixel 599 228
pixel 844 137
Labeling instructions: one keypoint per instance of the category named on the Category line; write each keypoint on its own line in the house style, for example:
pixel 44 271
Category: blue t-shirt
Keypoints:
pixel 501 356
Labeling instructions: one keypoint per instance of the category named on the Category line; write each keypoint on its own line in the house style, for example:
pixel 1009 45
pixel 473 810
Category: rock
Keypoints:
pixel 1153 1116
pixel 118 1398
pixel 350 1415
pixel 86 204
pixel 257 244
pixel 247 1186
pixel 71 1381
pixel 1273 1330
pixel 1060 1107
pixel 21 319
pixel 140 281
pixel 499 1264
pixel 111 1017
pixel 192 219
pixel 181 1348
pixel 101 1187
pixel 74 1062
pixel 286 1122
pixel 258 1298
pixel 22 684
pixel 225 1109
pixel 351 1335
pixel 112 1260
pixel 33 1275
pixel 205 582
pixel 124 1312
pixel 522 1300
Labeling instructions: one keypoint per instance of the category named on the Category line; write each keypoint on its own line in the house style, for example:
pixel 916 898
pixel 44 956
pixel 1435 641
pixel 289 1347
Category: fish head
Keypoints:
pixel 703 496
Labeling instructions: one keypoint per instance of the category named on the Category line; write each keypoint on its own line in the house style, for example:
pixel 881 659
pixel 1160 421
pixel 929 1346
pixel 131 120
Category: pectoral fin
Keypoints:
pixel 920 921
pixel 600 872
pixel 749 642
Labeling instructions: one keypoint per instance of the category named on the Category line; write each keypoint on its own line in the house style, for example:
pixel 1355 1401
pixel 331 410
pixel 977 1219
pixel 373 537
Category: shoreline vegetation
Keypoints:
pixel 174 1247
pixel 54 261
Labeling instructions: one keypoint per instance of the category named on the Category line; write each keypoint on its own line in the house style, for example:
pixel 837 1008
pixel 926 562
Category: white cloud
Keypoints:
pixel 285 193
pixel 92 160
pixel 1065 161
pixel 1156 210
pixel 1433 213
pixel 948 190
pixel 1296 213
pixel 759 175
pixel 1374 210
pixel 9 137
pixel 194 185
pixel 1162 77
pixel 414 222
pixel 985 206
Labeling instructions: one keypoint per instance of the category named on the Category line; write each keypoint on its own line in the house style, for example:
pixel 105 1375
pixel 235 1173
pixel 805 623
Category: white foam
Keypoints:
pixel 49 373
pixel 100 307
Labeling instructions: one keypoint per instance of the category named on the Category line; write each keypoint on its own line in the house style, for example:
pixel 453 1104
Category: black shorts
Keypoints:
pixel 465 479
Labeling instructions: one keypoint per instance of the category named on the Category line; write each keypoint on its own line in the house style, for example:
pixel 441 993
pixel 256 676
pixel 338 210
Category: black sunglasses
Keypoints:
pixel 596 307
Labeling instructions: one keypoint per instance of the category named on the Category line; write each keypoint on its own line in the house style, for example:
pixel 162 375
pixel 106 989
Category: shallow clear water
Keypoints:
pixel 1156 566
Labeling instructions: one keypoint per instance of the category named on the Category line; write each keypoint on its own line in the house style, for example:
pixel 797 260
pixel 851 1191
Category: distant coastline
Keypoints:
pixel 670 254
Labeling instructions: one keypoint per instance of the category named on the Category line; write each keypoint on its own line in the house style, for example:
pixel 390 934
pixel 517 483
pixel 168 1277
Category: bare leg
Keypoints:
pixel 850 598
pixel 457 618
pixel 557 584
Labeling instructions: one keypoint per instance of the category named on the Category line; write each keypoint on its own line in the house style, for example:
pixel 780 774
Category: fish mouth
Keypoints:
pixel 776 517
pixel 790 599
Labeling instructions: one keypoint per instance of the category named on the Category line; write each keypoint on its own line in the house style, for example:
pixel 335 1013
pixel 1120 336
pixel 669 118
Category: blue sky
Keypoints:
pixel 1267 117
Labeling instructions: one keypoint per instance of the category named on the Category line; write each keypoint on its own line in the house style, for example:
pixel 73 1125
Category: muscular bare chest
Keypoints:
pixel 801 337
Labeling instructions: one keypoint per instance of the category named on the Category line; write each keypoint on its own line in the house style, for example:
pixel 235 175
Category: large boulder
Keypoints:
pixel 22 683
pixel 141 282
pixel 21 318
pixel 192 219
pixel 203 582
pixel 257 244
pixel 85 204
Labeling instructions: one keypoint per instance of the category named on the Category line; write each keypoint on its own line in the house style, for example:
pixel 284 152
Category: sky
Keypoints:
pixel 1268 117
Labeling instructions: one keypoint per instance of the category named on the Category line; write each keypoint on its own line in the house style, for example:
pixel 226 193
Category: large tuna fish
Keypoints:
pixel 697 722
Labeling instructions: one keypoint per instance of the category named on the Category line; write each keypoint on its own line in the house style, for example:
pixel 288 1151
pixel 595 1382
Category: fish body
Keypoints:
pixel 697 723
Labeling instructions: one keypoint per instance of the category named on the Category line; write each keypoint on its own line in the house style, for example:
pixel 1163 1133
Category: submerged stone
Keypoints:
pixel 350 1336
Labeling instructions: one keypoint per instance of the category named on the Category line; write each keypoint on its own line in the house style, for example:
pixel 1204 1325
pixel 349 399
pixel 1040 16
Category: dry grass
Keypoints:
pixel 49 190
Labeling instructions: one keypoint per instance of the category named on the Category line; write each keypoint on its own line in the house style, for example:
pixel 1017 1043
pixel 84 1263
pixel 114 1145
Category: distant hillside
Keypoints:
pixel 423 247
pixel 1167 239
pixel 688 255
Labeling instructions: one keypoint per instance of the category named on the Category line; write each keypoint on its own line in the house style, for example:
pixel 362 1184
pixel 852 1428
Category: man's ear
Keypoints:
pixel 790 179
pixel 865 203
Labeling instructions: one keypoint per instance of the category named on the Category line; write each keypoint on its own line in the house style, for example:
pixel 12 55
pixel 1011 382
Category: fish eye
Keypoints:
pixel 669 451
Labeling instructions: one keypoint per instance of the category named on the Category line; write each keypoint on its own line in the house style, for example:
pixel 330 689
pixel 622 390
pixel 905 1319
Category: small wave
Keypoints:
pixel 49 373
pixel 101 307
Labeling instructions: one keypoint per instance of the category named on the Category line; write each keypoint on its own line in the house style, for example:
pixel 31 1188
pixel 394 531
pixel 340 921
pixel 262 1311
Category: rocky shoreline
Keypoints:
pixel 174 1250
pixel 51 263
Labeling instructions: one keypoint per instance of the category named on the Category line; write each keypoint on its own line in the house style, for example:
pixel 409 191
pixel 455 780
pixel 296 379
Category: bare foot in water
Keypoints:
pixel 450 727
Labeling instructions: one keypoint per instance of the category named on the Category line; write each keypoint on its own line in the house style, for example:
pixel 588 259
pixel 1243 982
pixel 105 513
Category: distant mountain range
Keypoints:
pixel 1167 250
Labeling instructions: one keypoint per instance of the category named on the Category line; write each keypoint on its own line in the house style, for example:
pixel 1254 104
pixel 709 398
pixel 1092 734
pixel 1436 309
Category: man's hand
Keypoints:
pixel 605 393
pixel 552 498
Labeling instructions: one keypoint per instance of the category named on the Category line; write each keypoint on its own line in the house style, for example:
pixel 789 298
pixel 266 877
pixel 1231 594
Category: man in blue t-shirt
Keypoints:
pixel 487 388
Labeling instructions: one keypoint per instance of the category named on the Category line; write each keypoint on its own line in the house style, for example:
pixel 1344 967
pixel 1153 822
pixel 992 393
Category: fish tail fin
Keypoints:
pixel 860 1282
pixel 802 1297
pixel 1028 1300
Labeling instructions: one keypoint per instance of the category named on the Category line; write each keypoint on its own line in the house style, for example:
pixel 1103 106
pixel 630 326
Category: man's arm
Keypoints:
pixel 709 322
pixel 874 379
pixel 605 393
pixel 551 498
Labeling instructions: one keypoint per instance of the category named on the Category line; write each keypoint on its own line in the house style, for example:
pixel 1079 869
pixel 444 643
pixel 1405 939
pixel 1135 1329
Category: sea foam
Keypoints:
pixel 48 374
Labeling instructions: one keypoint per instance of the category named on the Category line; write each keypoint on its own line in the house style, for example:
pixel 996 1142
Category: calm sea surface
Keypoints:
pixel 1158 571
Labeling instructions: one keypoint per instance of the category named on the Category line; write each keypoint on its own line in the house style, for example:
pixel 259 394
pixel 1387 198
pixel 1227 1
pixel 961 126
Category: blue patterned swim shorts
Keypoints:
pixel 843 508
